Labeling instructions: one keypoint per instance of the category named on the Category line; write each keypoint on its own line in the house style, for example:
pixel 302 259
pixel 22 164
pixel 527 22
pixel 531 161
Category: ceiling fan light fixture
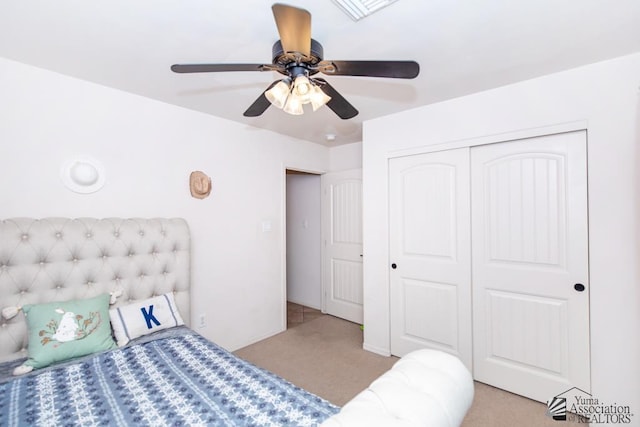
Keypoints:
pixel 293 106
pixel 279 94
pixel 291 97
pixel 302 88
pixel 318 98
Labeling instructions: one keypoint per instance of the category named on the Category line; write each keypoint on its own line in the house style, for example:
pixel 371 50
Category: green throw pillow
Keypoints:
pixel 64 330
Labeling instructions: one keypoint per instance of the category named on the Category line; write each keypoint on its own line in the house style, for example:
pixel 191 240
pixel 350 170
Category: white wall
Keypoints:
pixel 304 272
pixel 345 157
pixel 604 99
pixel 148 149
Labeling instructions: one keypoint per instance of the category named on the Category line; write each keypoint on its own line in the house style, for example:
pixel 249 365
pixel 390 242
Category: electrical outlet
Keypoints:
pixel 201 321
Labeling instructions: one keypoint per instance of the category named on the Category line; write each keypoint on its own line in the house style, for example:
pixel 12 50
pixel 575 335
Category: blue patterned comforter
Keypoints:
pixel 171 381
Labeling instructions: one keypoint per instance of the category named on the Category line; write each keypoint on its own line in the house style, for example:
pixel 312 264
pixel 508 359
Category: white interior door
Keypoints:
pixel 342 244
pixel 430 283
pixel 530 265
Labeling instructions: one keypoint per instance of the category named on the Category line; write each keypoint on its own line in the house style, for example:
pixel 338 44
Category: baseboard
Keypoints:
pixel 377 350
pixel 255 339
pixel 305 304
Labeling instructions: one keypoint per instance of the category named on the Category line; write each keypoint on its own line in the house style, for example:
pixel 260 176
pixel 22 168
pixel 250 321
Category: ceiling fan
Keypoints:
pixel 299 57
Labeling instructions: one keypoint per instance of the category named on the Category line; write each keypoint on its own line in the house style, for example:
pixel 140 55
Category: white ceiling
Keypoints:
pixel 462 47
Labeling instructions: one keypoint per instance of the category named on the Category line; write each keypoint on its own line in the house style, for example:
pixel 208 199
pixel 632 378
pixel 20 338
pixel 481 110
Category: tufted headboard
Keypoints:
pixel 59 259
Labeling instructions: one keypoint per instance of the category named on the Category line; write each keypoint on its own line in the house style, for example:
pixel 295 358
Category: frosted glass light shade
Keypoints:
pixel 278 94
pixel 293 106
pixel 302 89
pixel 318 98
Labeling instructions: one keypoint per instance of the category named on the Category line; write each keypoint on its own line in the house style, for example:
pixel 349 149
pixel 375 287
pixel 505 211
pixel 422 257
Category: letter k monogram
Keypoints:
pixel 149 317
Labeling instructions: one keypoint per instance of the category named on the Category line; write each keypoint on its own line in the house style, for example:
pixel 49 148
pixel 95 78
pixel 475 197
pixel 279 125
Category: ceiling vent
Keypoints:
pixel 358 9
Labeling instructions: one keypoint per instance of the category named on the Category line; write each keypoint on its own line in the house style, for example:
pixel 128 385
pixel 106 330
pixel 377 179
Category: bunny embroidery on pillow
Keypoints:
pixel 67 329
pixel 70 328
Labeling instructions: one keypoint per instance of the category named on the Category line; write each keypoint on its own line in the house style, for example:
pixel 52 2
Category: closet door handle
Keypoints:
pixel 579 287
pixel 394 266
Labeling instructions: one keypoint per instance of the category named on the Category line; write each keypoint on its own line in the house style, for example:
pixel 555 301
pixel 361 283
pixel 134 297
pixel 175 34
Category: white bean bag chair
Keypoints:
pixel 424 388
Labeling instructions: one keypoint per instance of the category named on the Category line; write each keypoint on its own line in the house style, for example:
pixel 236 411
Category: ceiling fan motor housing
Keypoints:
pixel 296 59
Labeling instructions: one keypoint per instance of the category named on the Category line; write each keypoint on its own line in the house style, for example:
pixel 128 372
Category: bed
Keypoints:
pixel 119 362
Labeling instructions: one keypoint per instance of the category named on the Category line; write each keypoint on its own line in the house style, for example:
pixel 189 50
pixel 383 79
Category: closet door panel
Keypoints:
pixel 430 290
pixel 530 250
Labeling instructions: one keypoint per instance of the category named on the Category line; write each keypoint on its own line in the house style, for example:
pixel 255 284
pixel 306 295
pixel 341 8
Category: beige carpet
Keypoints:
pixel 325 356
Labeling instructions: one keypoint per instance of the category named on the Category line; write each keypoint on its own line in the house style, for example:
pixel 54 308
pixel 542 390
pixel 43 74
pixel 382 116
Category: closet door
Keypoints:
pixel 530 265
pixel 430 292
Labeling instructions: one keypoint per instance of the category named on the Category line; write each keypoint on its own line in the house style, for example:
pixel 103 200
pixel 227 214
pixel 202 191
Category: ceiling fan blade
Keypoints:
pixel 337 103
pixel 214 68
pixel 294 27
pixel 392 69
pixel 261 104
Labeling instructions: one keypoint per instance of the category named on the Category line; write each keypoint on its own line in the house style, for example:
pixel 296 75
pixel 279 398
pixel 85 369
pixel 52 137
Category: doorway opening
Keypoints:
pixel 303 247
